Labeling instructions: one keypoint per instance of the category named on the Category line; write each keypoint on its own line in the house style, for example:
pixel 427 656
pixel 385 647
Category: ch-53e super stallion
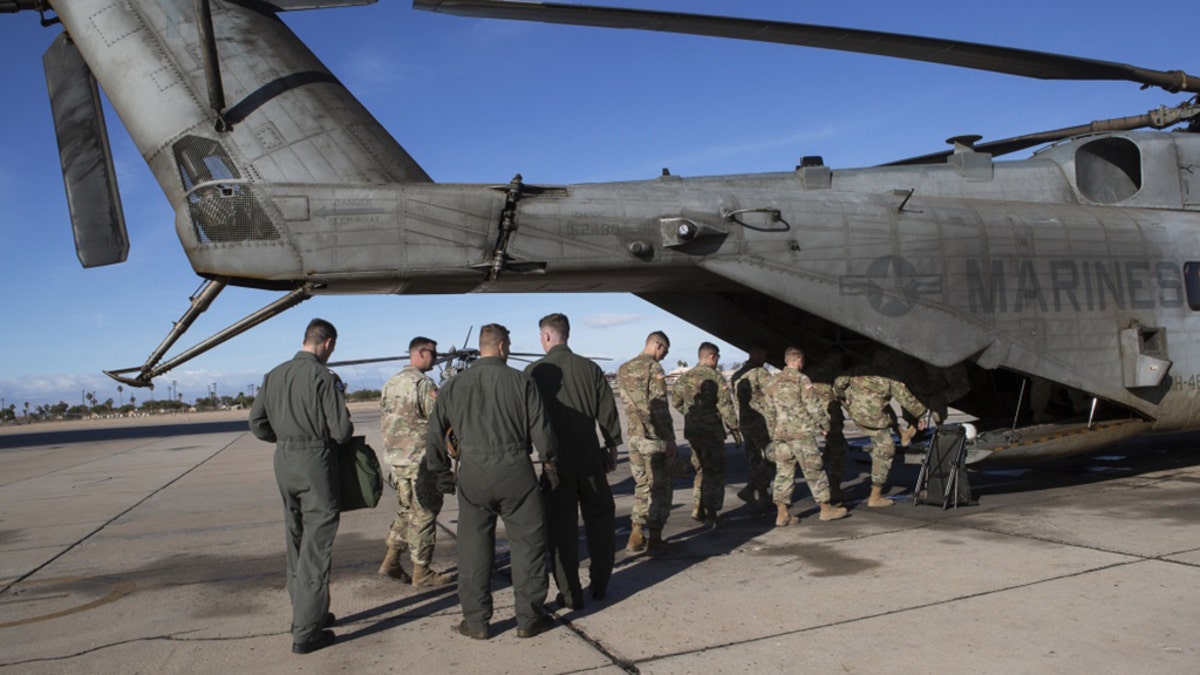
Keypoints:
pixel 1077 269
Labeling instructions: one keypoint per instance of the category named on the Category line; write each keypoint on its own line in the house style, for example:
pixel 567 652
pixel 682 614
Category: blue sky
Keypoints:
pixel 478 101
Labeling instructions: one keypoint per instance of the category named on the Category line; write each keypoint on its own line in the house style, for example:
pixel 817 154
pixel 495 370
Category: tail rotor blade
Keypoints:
pixel 87 165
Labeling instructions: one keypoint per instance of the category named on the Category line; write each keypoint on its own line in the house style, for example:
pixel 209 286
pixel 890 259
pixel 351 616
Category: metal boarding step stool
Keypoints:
pixel 943 476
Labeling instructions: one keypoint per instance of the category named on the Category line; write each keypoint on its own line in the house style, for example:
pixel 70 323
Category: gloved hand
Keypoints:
pixel 445 482
pixel 737 436
pixel 550 480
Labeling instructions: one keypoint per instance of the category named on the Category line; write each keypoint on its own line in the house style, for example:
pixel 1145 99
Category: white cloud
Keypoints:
pixel 610 320
pixel 193 384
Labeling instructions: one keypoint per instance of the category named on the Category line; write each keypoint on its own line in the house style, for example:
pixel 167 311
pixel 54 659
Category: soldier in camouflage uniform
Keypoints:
pixel 748 383
pixel 833 455
pixel 405 405
pixel 702 395
pixel 868 392
pixel 795 414
pixel 301 407
pixel 651 442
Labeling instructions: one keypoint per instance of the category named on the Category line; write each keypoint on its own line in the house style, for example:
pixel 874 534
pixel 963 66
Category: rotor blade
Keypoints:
pixel 359 362
pixel 1041 65
pixel 97 218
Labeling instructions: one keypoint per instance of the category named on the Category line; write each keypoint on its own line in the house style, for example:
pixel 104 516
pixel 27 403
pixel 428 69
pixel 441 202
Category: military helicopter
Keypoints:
pixel 1069 268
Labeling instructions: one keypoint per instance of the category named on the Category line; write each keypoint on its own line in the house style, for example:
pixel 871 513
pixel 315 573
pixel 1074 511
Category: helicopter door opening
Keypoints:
pixel 1108 170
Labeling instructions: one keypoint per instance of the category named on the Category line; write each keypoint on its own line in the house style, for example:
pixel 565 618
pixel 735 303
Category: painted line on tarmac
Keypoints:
pixel 110 521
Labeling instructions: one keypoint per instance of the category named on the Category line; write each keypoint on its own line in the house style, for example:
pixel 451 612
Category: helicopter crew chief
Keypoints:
pixel 497 415
pixel 301 407
pixel 651 441
pixel 868 392
pixel 577 396
pixel 406 402
pixel 795 412
pixel 702 395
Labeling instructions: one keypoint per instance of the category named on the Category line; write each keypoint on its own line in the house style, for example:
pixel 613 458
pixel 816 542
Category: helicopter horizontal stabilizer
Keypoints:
pixel 92 195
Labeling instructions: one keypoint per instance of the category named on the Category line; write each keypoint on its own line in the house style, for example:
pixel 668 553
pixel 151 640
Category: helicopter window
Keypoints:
pixel 1191 282
pixel 226 212
pixel 1108 170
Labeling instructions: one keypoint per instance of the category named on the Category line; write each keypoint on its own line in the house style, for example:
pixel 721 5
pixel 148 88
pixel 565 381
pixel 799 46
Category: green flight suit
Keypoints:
pixel 577 396
pixel 302 409
pixel 497 414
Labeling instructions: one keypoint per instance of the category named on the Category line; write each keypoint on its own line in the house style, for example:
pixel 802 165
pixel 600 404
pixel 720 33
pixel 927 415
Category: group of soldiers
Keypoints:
pixel 476 437
pixel 779 418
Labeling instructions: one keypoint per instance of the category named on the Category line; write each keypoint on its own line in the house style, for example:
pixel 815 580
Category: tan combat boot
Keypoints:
pixel 656 544
pixel 831 512
pixel 783 518
pixel 698 513
pixel 637 542
pixel 906 435
pixel 391 567
pixel 423 575
pixel 877 500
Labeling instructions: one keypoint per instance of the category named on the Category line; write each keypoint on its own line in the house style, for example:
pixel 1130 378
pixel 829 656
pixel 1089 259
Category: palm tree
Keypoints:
pixel 121 394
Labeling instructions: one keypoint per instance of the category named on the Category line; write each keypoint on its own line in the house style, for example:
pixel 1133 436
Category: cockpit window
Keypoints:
pixel 1108 170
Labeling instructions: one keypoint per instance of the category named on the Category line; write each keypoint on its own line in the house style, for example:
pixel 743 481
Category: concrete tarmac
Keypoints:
pixel 156 546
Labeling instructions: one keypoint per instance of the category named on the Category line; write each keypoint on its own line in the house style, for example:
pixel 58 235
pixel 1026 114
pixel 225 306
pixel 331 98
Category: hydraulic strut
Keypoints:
pixel 201 302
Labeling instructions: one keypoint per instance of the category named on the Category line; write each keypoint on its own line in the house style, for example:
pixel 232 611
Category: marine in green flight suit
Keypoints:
pixel 301 407
pixel 497 415
pixel 577 396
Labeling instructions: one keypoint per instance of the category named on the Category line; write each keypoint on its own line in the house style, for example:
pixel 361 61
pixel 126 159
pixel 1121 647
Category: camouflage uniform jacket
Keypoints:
pixel 748 383
pixel 702 395
pixel 866 395
pixel 643 387
pixel 822 376
pixel 405 406
pixel 792 408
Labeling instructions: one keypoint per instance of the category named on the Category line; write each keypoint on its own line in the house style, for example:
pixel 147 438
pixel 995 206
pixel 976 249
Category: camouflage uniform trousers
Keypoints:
pixel 415 526
pixel 762 468
pixel 883 449
pixel 834 452
pixel 652 482
pixel 708 459
pixel 804 453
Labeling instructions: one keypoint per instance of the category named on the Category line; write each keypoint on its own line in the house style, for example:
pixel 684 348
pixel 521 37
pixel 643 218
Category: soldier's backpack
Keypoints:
pixel 359 476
